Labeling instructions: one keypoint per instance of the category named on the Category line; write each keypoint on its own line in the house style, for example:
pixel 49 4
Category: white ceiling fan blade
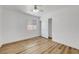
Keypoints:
pixel 41 10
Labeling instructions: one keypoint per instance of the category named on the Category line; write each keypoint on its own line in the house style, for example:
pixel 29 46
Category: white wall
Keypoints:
pixel 15 26
pixel 0 25
pixel 44 27
pixel 65 26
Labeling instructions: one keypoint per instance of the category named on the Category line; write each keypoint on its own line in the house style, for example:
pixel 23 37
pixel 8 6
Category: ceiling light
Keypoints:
pixel 36 10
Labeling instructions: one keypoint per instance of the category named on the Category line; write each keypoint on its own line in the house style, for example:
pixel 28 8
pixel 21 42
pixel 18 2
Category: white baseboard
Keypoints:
pixel 8 42
pixel 67 44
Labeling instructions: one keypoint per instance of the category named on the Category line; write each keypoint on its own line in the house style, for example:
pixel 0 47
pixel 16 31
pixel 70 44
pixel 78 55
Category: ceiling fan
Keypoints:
pixel 36 9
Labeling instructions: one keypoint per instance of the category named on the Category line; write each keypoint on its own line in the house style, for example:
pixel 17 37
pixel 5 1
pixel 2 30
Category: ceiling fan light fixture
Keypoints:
pixel 35 10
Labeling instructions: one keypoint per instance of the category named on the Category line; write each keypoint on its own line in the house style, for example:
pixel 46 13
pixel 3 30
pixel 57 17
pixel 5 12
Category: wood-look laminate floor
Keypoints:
pixel 37 45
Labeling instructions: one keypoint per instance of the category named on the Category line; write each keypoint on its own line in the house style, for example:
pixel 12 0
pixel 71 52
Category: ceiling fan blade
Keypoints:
pixel 41 10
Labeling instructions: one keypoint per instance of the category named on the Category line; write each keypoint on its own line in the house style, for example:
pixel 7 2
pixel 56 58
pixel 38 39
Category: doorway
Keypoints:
pixel 50 28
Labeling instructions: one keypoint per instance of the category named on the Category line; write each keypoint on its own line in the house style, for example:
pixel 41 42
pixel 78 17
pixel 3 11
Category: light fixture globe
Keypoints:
pixel 36 10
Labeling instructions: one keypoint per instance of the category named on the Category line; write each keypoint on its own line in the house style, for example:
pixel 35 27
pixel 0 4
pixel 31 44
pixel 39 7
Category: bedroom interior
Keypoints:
pixel 39 29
